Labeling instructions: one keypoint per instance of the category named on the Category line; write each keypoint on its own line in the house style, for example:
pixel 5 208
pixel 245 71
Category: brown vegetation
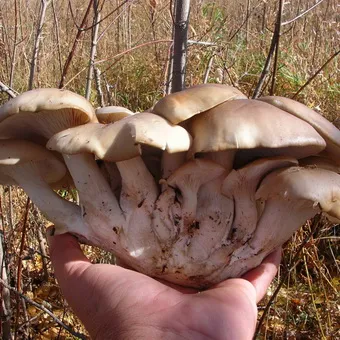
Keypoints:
pixel 229 43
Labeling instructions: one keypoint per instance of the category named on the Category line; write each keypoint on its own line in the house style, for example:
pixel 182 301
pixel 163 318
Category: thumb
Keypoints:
pixel 67 258
pixel 261 276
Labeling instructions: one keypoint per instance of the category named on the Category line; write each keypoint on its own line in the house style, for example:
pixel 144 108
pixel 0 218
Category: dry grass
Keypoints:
pixel 307 307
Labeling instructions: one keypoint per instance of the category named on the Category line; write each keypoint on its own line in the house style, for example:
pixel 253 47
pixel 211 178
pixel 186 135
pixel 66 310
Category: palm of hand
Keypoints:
pixel 117 303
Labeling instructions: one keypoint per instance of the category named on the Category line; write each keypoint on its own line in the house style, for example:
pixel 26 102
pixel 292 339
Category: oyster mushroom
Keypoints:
pixel 325 128
pixel 188 179
pixel 111 114
pixel 208 219
pixel 121 142
pixel 108 115
pixel 254 129
pixel 37 115
pixel 240 186
pixel 288 196
pixel 180 106
pixel 33 168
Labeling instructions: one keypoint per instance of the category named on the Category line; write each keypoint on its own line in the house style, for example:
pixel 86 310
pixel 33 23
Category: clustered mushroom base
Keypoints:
pixel 198 190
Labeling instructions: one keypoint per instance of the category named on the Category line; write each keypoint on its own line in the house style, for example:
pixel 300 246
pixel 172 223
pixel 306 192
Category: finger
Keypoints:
pixel 67 258
pixel 261 276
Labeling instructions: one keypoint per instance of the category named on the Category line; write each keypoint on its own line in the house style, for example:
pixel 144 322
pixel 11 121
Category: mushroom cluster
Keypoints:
pixel 198 189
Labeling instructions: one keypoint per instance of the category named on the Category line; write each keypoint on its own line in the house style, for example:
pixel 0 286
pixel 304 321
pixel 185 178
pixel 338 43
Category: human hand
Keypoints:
pixel 118 303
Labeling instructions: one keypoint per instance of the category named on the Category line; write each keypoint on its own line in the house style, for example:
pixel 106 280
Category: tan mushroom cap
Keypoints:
pixel 121 140
pixel 15 153
pixel 111 114
pixel 38 114
pixel 250 124
pixel 180 106
pixel 325 128
pixel 319 186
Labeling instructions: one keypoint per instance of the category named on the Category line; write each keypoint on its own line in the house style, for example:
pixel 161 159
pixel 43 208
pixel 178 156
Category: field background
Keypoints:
pixel 229 43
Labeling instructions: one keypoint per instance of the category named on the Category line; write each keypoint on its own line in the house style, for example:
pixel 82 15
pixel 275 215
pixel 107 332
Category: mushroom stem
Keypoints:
pixel 138 196
pixel 171 162
pixel 64 214
pixel 215 214
pixel 114 175
pixel 223 158
pixel 240 185
pixel 96 197
pixel 188 179
pixel 284 217
pixel 138 185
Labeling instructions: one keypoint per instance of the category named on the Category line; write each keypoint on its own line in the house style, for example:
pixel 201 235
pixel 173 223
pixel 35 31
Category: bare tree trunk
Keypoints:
pixel 182 9
pixel 44 4
pixel 95 31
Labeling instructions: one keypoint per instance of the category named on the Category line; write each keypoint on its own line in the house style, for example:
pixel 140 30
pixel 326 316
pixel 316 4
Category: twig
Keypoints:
pixel 116 56
pixel 315 74
pixel 74 46
pixel 72 14
pixel 10 207
pixel 97 79
pixel 44 309
pixel 204 43
pixel 5 306
pixel 44 4
pixel 130 50
pixel 19 270
pixel 29 321
pixel 56 23
pixel 15 44
pixel 113 21
pixel 108 15
pixel 266 67
pixel 8 90
pixel 93 52
pixel 315 225
pixel 302 14
pixel 42 244
pixel 207 70
pixel 225 68
pixel 277 31
pixel 168 71
pixel 231 37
